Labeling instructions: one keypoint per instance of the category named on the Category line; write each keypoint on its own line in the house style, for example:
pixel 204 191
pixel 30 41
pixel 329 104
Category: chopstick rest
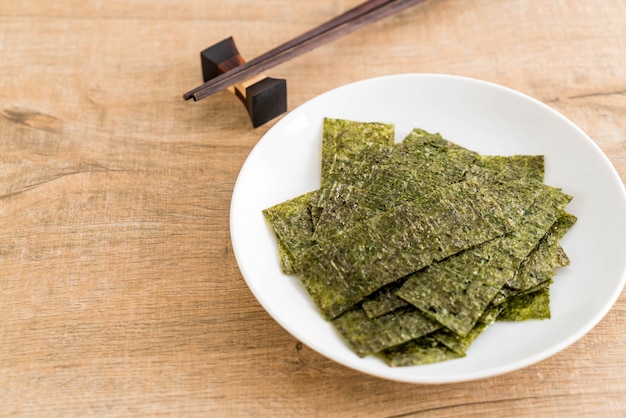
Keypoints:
pixel 264 98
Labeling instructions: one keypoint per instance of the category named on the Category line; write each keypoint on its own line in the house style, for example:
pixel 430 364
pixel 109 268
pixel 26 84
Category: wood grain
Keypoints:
pixel 119 292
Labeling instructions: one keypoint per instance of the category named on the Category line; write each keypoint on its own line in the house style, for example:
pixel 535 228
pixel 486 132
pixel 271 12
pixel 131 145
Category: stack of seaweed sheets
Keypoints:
pixel 412 249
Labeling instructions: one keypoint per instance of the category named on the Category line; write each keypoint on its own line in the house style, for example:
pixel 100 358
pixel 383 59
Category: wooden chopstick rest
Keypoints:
pixel 264 98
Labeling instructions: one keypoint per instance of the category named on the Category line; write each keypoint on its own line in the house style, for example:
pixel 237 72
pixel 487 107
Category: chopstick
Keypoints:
pixel 355 18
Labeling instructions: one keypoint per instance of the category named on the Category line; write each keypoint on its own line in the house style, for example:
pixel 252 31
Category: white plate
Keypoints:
pixel 481 116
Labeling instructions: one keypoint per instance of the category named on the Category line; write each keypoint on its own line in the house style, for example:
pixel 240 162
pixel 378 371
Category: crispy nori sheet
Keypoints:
pixel 460 344
pixel 292 222
pixel 346 144
pixel 537 270
pixel 484 168
pixel 545 258
pixel 343 268
pixel 384 300
pixel 286 260
pixel 535 305
pixel 456 291
pixel 411 170
pixel 346 138
pixel 424 350
pixel 357 170
pixel 507 168
pixel 389 176
pixel 507 293
pixel 368 336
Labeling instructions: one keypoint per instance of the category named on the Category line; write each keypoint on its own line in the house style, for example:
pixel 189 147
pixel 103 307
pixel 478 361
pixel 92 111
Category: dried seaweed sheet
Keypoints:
pixel 545 258
pixel 342 141
pixel 384 300
pixel 507 293
pixel 389 176
pixel 357 168
pixel 456 291
pixel 535 305
pixel 507 168
pixel 341 270
pixel 368 336
pixel 536 271
pixel 346 138
pixel 422 162
pixel 484 168
pixel 286 260
pixel 460 344
pixel 292 222
pixel 425 350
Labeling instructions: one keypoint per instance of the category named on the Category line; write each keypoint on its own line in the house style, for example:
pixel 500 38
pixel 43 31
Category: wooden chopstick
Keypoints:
pixel 248 68
pixel 353 19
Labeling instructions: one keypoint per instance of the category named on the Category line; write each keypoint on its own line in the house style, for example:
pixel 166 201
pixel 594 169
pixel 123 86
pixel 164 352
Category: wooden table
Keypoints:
pixel 119 291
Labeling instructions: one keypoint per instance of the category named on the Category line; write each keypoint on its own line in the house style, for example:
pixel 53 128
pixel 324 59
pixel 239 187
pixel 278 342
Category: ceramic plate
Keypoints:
pixel 484 117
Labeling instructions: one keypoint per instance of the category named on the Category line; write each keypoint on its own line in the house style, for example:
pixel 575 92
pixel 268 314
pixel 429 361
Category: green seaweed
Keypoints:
pixel 484 168
pixel 346 138
pixel 424 350
pixel 384 300
pixel 294 221
pixel 541 265
pixel 345 144
pixel 413 249
pixel 345 267
pixel 456 291
pixel 535 305
pixel 460 344
pixel 545 258
pixel 507 168
pixel 368 336
pixel 293 224
pixel 389 176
